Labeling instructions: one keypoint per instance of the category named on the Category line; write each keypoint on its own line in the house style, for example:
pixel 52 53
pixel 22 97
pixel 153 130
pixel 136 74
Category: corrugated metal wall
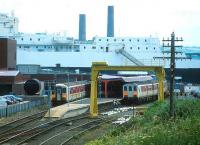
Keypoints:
pixel 11 109
pixel 7 53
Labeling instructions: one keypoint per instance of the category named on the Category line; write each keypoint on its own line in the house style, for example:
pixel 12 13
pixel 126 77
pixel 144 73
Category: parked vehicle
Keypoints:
pixel 13 98
pixel 8 100
pixel 3 102
pixel 17 98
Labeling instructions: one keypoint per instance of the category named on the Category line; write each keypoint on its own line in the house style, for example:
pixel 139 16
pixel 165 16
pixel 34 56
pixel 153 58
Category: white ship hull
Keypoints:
pixel 85 59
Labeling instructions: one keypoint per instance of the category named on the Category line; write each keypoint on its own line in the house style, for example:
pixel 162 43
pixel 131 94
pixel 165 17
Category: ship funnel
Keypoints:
pixel 110 22
pixel 82 27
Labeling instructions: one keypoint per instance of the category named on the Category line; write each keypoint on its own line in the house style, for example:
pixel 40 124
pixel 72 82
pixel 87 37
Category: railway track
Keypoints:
pixel 66 135
pixel 26 135
pixel 59 131
pixel 90 127
pixel 9 127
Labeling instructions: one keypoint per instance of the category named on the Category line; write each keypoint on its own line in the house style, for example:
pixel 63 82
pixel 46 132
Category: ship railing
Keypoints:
pixel 61 42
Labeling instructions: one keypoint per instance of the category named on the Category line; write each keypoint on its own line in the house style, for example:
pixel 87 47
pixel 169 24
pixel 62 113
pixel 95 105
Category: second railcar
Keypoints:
pixel 65 93
pixel 140 92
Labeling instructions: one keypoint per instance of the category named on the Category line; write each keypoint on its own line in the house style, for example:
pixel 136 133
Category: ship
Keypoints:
pixel 48 50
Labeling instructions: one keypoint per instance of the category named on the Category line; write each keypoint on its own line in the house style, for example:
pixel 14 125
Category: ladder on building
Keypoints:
pixel 129 57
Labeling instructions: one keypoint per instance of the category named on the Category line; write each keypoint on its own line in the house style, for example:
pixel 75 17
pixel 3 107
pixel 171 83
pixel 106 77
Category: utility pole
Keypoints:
pixel 172 69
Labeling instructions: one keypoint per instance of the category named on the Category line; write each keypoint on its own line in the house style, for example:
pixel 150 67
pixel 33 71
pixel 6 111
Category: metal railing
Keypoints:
pixel 130 57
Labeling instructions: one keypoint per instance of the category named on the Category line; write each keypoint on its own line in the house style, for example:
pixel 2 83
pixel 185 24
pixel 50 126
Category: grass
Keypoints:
pixel 157 128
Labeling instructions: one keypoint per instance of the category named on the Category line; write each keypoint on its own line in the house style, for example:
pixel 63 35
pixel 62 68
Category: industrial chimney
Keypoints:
pixel 110 22
pixel 82 27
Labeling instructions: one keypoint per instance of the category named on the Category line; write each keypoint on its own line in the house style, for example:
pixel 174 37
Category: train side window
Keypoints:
pixel 125 88
pixel 135 88
pixel 71 90
pixel 130 88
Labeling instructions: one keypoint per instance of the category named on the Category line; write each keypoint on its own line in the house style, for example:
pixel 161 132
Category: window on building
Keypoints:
pixel 30 39
pixel 107 39
pixel 93 47
pixel 99 39
pixel 145 40
pixel 22 39
pixel 130 47
pixel 138 48
pixel 130 40
pixel 101 47
pixel 122 39
pixel 38 39
pixel 107 49
pixel 154 48
pixel 138 40
pixel 26 46
pixel 146 48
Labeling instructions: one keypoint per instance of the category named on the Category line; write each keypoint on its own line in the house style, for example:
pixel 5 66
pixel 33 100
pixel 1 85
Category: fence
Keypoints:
pixel 11 109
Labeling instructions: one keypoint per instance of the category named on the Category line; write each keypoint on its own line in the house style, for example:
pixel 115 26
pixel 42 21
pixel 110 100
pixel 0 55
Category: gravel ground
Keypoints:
pixel 19 115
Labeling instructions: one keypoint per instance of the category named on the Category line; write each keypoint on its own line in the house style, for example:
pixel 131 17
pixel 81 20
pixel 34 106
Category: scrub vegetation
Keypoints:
pixel 156 127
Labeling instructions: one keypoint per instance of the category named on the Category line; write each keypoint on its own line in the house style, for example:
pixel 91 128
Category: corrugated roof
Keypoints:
pixel 127 79
pixel 6 73
pixel 137 78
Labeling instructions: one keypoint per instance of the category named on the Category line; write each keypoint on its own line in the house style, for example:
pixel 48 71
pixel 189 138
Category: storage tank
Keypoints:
pixel 32 87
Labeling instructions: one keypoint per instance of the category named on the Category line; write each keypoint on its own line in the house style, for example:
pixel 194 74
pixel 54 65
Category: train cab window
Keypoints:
pixel 130 88
pixel 125 88
pixel 135 88
pixel 58 90
pixel 64 90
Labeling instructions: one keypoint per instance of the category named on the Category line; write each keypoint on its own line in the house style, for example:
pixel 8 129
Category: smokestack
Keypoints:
pixel 82 27
pixel 110 22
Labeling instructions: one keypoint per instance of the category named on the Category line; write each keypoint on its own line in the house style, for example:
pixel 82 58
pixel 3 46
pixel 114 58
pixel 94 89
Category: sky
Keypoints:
pixel 132 17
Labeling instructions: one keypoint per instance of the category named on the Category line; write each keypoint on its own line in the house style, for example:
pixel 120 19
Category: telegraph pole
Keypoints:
pixel 172 69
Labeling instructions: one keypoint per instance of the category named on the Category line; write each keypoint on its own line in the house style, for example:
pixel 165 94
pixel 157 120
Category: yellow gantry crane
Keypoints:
pixel 102 66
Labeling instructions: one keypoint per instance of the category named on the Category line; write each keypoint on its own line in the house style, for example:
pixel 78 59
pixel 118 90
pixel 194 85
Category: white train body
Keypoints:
pixel 66 93
pixel 141 91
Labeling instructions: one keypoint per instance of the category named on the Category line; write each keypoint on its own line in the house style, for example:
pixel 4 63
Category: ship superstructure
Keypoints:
pixel 49 49
pixel 8 25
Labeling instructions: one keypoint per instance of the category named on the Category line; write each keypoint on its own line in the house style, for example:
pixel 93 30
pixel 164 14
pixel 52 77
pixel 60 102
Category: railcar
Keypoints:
pixel 68 92
pixel 141 91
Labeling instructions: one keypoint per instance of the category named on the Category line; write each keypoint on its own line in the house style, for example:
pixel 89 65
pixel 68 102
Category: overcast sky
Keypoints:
pixel 132 17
